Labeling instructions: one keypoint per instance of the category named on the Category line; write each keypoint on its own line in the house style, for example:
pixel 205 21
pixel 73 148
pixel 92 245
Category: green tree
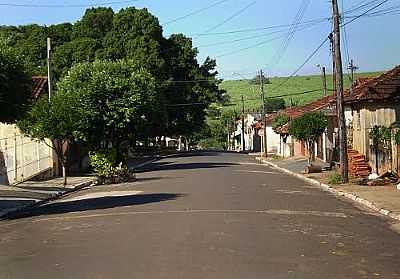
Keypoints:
pixel 57 120
pixel 115 100
pixel 308 128
pixel 136 34
pixel 187 102
pixel 381 136
pixel 95 24
pixel 274 104
pixel 71 53
pixel 257 80
pixel 29 43
pixel 15 85
pixel 279 121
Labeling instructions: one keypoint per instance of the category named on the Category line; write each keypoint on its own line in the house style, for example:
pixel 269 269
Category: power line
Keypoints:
pixel 230 17
pixel 324 41
pixel 260 43
pixel 361 5
pixel 241 39
pixel 65 6
pixel 260 28
pixel 345 38
pixel 304 63
pixel 366 12
pixel 195 12
pixel 299 16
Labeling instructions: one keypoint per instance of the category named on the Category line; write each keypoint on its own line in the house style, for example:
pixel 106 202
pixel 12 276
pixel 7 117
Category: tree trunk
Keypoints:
pixel 376 160
pixel 64 173
pixel 310 153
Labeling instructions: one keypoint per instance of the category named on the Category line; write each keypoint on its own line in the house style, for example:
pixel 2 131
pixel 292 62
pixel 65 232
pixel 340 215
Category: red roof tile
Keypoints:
pixel 385 86
pixel 39 85
pixel 295 112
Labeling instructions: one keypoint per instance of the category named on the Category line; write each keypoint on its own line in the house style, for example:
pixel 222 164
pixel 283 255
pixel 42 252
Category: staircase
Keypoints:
pixel 358 165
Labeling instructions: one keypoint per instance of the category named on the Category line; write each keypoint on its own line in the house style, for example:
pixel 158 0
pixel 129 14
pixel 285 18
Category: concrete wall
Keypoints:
pixel 21 158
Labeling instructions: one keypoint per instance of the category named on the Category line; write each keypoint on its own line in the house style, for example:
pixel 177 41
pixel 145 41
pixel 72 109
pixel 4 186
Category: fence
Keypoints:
pixel 22 158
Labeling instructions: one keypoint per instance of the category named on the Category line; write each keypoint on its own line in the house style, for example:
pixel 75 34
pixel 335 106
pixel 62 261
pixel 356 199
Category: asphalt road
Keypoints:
pixel 207 215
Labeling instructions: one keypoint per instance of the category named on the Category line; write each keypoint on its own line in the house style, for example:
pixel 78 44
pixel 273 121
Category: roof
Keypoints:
pixel 383 87
pixel 39 85
pixel 295 112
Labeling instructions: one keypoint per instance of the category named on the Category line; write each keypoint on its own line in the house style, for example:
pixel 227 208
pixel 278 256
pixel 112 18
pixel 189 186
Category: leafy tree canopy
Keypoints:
pixel 309 127
pixel 113 98
pixel 15 85
pixel 257 80
pixel 279 121
pixel 274 104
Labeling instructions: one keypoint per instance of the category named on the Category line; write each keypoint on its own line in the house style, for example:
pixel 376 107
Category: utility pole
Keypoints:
pixel 229 134
pixel 49 67
pixel 243 140
pixel 333 62
pixel 323 75
pixel 264 113
pixel 339 93
pixel 324 80
pixel 352 68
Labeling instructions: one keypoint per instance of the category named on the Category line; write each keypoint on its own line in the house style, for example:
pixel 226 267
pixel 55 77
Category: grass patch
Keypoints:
pixel 251 92
pixel 334 179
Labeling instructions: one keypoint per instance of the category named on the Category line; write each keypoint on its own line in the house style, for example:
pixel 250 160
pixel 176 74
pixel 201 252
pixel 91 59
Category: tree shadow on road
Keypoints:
pixel 94 204
pixel 163 166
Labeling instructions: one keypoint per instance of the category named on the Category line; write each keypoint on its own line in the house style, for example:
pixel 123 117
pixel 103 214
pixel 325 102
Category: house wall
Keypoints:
pixel 365 117
pixel 273 141
pixel 22 158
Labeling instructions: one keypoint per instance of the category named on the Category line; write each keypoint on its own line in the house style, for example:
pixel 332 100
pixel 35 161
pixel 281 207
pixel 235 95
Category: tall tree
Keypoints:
pixel 115 98
pixel 191 87
pixel 95 24
pixel 309 128
pixel 15 85
pixel 57 120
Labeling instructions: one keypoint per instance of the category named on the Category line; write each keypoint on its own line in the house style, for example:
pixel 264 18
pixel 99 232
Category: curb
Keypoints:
pixel 7 213
pixel 328 188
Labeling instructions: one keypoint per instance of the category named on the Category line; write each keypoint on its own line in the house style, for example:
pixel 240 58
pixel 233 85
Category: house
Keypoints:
pixel 375 102
pixel 254 135
pixel 325 148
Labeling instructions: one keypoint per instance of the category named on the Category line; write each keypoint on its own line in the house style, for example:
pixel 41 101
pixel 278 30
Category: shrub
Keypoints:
pixel 335 178
pixel 105 164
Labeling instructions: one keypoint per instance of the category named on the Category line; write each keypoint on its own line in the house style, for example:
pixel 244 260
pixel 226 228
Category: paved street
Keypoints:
pixel 205 215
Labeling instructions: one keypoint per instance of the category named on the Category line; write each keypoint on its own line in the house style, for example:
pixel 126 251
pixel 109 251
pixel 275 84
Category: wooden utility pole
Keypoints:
pixel 333 63
pixel 264 117
pixel 228 126
pixel 352 68
pixel 243 140
pixel 49 80
pixel 324 80
pixel 339 93
pixel 323 76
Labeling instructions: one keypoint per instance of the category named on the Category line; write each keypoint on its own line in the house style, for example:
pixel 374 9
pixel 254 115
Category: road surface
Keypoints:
pixel 203 215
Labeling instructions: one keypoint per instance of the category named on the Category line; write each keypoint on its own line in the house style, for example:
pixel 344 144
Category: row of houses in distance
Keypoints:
pixel 371 102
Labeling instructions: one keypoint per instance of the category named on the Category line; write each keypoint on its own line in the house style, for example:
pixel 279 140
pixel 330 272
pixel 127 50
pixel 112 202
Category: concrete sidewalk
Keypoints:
pixel 32 193
pixel 29 193
pixel 382 199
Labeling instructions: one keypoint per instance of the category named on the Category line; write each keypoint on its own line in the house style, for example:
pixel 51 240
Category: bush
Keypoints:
pixel 105 164
pixel 335 178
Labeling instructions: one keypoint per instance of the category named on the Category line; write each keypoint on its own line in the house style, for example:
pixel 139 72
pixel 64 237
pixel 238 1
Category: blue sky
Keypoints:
pixel 373 42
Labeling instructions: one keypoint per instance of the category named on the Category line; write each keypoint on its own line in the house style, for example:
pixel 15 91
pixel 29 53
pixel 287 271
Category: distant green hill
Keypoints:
pixel 251 92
